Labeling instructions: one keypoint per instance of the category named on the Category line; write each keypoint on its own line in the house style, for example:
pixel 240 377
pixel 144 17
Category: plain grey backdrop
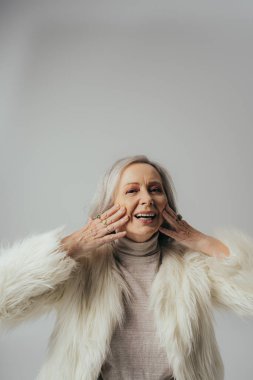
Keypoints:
pixel 85 83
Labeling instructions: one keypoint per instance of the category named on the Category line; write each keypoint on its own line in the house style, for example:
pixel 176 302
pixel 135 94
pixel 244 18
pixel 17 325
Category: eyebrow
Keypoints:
pixel 150 183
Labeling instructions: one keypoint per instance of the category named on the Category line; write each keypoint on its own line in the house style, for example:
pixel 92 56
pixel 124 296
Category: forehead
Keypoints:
pixel 139 172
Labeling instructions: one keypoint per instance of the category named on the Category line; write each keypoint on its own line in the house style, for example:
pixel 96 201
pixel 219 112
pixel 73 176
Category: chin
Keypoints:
pixel 141 236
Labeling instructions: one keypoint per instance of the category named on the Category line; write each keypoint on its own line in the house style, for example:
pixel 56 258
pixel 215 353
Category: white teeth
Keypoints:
pixel 145 215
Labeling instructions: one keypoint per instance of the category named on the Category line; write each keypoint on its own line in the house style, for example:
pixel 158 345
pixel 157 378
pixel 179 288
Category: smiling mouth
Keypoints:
pixel 144 217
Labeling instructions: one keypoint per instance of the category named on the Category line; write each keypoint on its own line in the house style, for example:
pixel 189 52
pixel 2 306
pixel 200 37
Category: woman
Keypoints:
pixel 134 289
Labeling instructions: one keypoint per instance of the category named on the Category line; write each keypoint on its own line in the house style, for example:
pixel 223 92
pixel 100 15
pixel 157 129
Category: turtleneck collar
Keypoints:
pixel 132 250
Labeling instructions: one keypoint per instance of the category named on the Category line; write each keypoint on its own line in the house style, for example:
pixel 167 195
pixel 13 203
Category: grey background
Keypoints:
pixel 85 83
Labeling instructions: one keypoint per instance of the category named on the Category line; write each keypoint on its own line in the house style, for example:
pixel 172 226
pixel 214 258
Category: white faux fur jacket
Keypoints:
pixel 37 275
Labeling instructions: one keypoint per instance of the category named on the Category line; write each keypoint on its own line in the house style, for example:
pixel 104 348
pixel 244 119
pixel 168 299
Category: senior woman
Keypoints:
pixel 134 289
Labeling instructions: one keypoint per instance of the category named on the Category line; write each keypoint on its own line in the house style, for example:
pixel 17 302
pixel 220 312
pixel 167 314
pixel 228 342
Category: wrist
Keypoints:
pixel 214 247
pixel 204 244
pixel 68 246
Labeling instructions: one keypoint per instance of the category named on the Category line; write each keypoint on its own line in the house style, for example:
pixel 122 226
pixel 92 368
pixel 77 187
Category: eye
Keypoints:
pixel 131 190
pixel 156 189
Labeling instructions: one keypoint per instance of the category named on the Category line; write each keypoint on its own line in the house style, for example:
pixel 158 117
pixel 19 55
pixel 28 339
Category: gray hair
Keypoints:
pixel 104 195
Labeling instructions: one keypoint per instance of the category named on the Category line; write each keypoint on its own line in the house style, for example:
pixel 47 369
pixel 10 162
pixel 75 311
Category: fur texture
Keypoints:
pixel 89 297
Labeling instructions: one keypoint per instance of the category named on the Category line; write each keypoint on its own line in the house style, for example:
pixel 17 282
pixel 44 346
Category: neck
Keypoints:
pixel 138 249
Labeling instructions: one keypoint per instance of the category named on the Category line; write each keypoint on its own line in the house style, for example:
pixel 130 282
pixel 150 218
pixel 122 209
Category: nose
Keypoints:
pixel 146 198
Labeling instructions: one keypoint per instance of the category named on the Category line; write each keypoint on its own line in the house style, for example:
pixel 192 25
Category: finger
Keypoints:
pixel 120 222
pixel 114 212
pixel 103 225
pixel 170 218
pixel 167 232
pixel 109 228
pixel 108 213
pixel 170 211
pixel 116 215
pixel 91 232
pixel 95 230
pixel 111 237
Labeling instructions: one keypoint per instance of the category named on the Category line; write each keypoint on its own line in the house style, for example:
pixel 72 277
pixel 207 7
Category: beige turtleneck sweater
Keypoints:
pixel 135 350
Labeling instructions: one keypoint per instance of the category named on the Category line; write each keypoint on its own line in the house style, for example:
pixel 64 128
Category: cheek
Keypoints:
pixel 130 212
pixel 130 205
pixel 163 202
pixel 162 205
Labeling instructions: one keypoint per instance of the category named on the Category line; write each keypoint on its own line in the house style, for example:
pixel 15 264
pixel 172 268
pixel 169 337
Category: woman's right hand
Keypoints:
pixel 95 233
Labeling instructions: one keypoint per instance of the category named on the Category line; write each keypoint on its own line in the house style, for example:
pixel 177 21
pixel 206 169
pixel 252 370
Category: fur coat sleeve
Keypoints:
pixel 32 276
pixel 232 277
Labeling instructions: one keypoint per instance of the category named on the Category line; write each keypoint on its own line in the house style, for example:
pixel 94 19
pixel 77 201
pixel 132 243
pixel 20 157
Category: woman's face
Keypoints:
pixel 140 190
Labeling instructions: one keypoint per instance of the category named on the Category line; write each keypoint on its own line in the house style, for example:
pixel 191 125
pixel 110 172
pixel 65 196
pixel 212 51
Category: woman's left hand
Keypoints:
pixel 190 237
